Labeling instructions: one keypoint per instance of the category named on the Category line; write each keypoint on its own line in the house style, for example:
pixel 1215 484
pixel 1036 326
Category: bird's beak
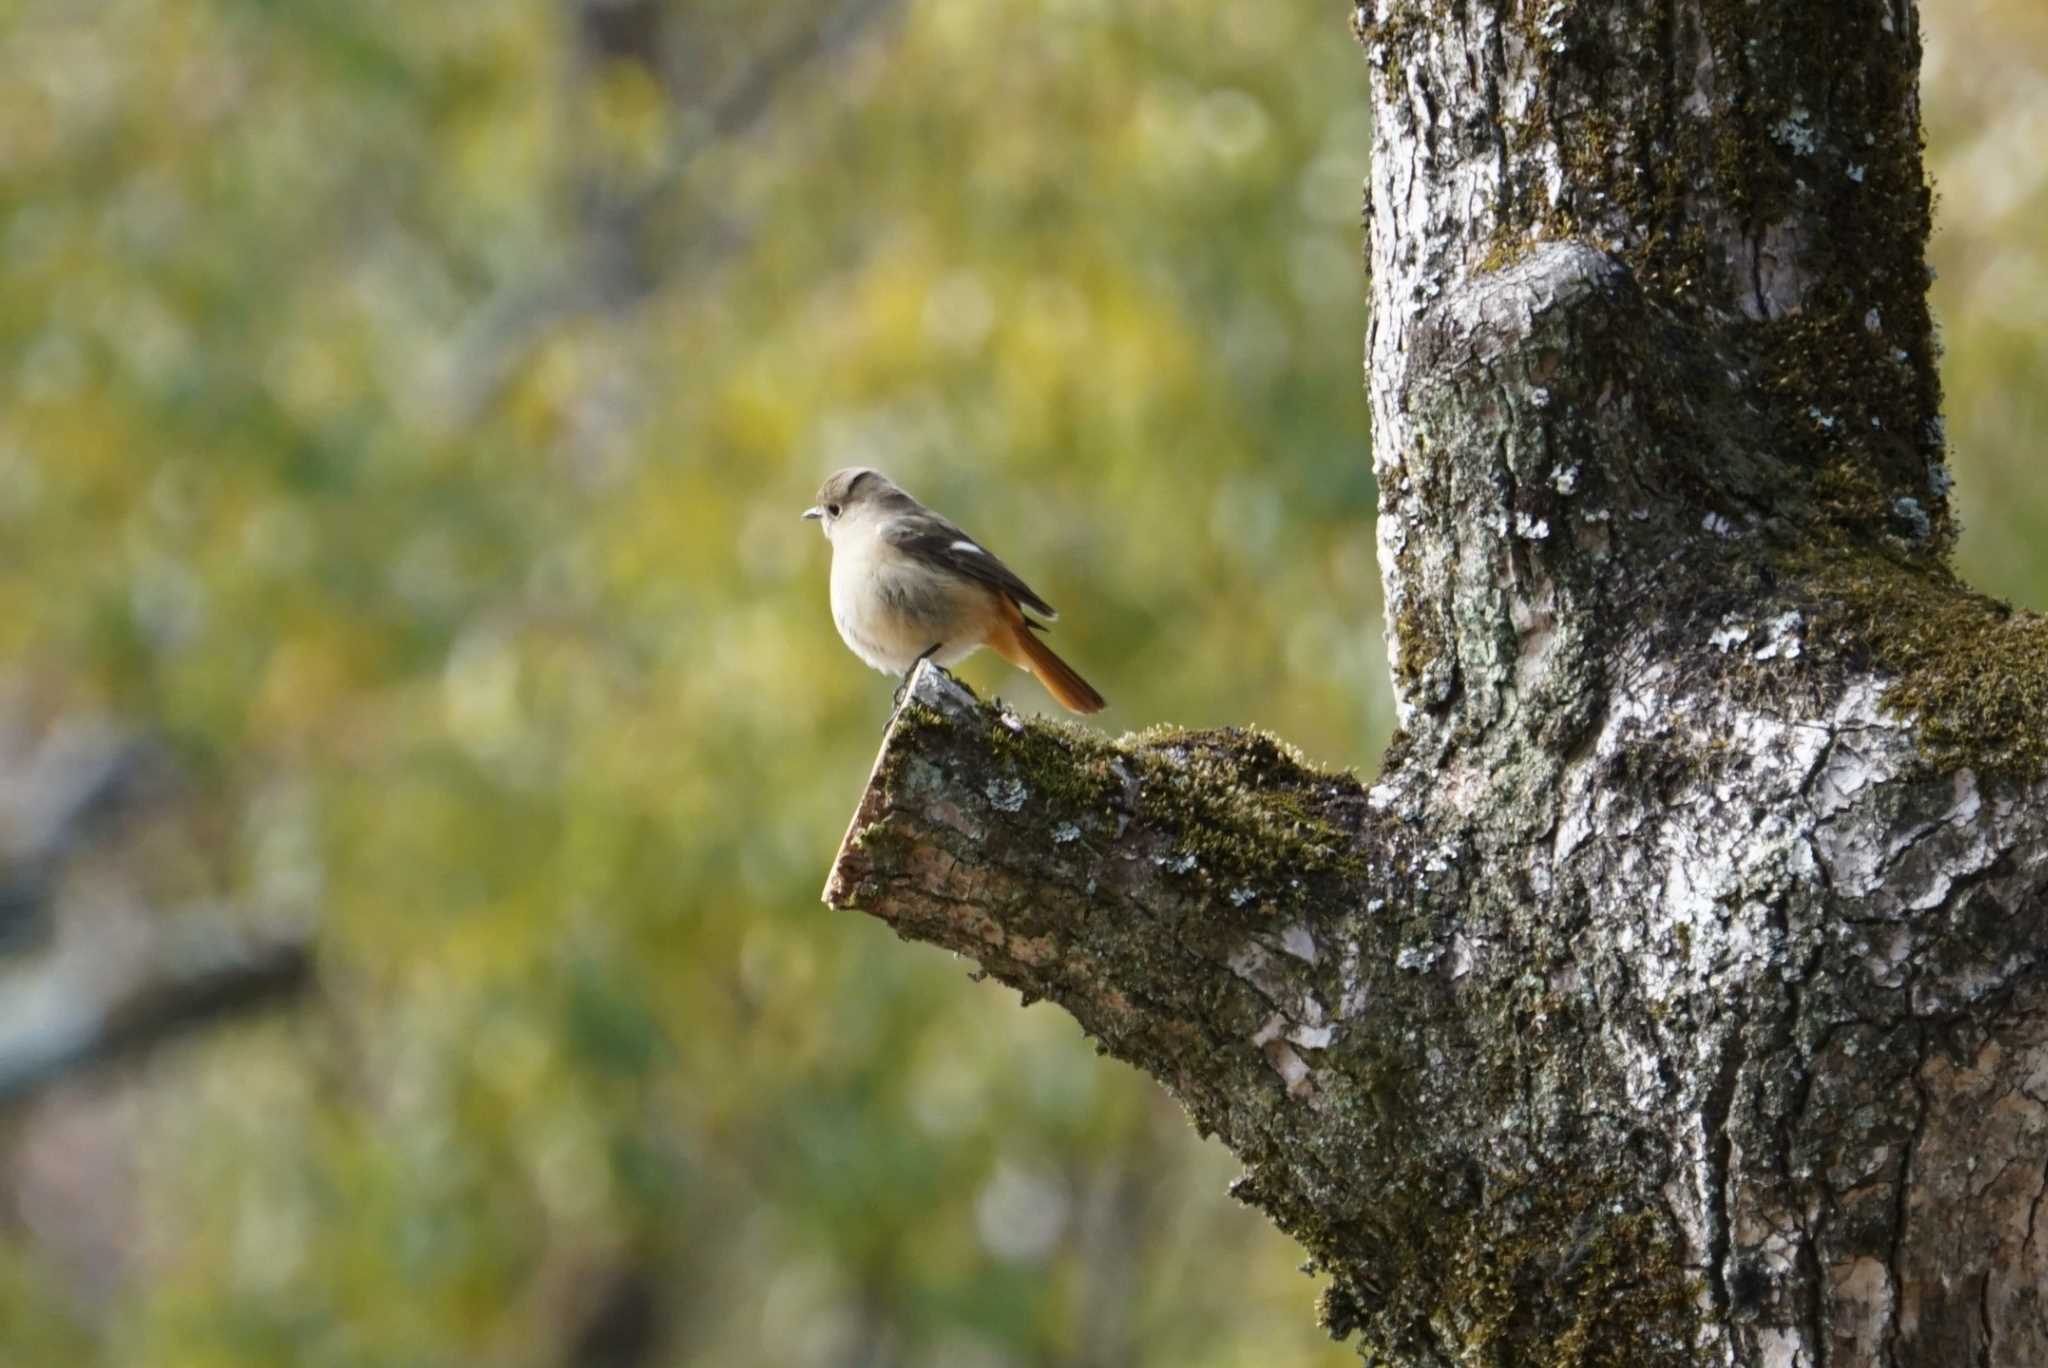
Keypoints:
pixel 814 512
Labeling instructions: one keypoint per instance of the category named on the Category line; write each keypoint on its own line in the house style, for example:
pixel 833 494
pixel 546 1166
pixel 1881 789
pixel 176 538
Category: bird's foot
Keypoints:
pixel 896 702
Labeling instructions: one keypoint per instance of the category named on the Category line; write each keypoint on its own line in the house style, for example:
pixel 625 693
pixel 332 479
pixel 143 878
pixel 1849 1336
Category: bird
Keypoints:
pixel 909 585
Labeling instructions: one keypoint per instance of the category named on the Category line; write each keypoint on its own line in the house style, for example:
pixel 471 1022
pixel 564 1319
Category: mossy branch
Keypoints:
pixel 1134 882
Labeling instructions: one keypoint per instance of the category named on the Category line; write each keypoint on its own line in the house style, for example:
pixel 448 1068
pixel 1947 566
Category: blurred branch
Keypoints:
pixel 619 30
pixel 613 271
pixel 752 94
pixel 619 1321
pixel 50 1029
pixel 94 967
pixel 56 793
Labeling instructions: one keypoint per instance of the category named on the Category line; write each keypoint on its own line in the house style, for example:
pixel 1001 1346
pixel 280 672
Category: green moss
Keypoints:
pixel 1250 809
pixel 1556 1273
pixel 1557 1268
pixel 1507 247
pixel 1247 806
pixel 1417 645
pixel 1068 767
pixel 1623 1301
pixel 1404 25
pixel 1969 672
pixel 1864 445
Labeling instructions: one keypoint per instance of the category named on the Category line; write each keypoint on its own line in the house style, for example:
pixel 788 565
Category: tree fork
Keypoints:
pixel 1674 995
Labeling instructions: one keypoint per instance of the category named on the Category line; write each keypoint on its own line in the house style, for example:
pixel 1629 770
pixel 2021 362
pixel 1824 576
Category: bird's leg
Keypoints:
pixel 923 656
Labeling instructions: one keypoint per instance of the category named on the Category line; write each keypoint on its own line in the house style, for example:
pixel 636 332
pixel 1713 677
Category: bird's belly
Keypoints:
pixel 889 618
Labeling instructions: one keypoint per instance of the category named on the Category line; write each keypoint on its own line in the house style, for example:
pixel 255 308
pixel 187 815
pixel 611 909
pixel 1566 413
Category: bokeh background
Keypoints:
pixel 407 410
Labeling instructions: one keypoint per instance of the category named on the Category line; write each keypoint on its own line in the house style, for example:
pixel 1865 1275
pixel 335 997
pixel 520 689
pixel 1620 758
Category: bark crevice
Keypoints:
pixel 1902 1215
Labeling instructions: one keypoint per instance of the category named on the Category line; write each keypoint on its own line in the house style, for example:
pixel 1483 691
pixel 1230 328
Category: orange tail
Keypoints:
pixel 1016 643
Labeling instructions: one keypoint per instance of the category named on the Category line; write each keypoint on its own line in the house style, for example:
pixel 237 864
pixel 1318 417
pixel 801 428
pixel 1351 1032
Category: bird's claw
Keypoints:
pixel 903 686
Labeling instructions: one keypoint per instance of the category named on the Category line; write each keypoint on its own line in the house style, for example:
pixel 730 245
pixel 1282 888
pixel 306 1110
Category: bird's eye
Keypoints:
pixel 831 510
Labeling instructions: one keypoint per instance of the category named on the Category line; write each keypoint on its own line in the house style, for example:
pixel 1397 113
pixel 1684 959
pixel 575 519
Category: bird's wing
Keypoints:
pixel 933 539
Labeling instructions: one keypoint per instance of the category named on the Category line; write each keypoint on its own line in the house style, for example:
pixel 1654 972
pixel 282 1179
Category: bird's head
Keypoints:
pixel 848 493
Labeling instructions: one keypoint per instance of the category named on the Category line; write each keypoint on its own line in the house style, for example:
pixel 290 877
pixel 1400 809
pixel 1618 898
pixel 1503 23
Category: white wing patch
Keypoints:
pixel 963 544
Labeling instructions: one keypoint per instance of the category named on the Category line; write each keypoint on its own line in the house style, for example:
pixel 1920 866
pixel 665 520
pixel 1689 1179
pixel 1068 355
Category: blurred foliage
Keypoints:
pixel 1986 107
pixel 410 407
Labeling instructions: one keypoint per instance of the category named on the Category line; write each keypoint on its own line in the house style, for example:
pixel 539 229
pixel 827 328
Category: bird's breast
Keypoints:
pixel 890 609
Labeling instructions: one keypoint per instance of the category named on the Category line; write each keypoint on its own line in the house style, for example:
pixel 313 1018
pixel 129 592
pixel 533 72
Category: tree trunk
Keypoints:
pixel 1675 994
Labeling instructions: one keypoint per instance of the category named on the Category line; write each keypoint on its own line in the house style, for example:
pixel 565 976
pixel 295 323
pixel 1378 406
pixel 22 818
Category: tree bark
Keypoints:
pixel 1675 995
